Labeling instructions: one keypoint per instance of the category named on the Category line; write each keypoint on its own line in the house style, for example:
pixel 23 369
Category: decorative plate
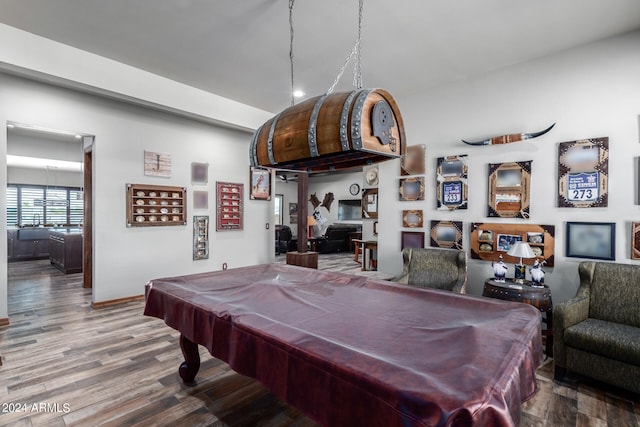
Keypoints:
pixel 354 189
pixel 372 177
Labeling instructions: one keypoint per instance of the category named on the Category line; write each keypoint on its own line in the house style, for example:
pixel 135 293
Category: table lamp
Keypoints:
pixel 311 221
pixel 520 250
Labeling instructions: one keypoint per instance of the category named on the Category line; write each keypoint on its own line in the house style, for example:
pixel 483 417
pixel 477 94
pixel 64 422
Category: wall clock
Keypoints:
pixel 354 189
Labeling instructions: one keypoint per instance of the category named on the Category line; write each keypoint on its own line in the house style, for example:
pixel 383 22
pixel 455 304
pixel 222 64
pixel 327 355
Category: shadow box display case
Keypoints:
pixel 156 205
pixel 489 241
pixel 229 203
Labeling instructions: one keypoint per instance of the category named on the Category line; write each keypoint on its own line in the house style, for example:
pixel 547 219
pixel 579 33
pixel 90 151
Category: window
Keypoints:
pixel 40 205
pixel 12 206
pixel 278 209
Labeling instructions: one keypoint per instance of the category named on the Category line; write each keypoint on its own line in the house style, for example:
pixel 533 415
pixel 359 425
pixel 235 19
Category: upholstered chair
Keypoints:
pixel 434 268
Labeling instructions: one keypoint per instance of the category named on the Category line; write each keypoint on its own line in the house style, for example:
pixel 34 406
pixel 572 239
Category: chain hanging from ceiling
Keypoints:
pixel 355 53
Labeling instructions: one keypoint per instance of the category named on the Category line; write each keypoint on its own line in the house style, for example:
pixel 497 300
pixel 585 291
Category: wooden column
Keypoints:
pixel 303 257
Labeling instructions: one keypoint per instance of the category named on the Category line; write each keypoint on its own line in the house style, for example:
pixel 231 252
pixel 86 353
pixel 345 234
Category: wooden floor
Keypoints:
pixel 68 364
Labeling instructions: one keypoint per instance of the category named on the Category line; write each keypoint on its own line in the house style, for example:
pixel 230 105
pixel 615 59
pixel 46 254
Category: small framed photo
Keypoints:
pixel 199 173
pixel 446 234
pixel 412 239
pixel 413 163
pixel 157 164
pixel 412 189
pixel 370 203
pixel 593 240
pixel 505 241
pixel 293 209
pixel 635 240
pixel 260 179
pixel 200 200
pixel 412 218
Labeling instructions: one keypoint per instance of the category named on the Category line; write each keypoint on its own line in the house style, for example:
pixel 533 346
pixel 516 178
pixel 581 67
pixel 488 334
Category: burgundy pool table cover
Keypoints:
pixel 349 351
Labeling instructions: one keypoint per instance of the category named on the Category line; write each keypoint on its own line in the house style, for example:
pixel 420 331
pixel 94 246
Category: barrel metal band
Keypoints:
pixel 272 159
pixel 356 119
pixel 253 153
pixel 344 117
pixel 313 121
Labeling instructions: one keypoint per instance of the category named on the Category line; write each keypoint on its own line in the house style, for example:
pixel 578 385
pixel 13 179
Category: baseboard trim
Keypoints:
pixel 4 321
pixel 112 302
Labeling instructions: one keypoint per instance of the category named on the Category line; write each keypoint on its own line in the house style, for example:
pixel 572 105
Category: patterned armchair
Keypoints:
pixel 597 333
pixel 434 268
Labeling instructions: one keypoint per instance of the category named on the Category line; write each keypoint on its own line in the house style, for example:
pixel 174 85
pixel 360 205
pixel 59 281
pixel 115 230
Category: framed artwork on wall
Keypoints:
pixel 509 186
pixel 489 241
pixel 199 173
pixel 412 218
pixel 230 206
pixel 593 240
pixel 446 234
pixel 260 180
pixel 411 189
pixel 413 162
pixel 200 199
pixel 200 237
pixel 157 164
pixel 370 203
pixel 635 240
pixel 583 173
pixel 412 239
pixel 451 183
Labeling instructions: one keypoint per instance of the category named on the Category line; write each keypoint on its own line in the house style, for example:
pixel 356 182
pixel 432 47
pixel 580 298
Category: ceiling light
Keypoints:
pixel 10 126
pixel 38 163
pixel 78 136
pixel 298 94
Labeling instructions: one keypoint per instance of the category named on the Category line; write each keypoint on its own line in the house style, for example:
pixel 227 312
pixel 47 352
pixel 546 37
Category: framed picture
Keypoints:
pixel 594 240
pixel 370 203
pixel 200 237
pixel 412 189
pixel 451 183
pixel 260 180
pixel 157 164
pixel 635 240
pixel 583 173
pixel 230 201
pixel 490 241
pixel 412 218
pixel 509 185
pixel 446 234
pixel 375 228
pixel 200 199
pixel 293 209
pixel 413 163
pixel 505 241
pixel 199 173
pixel 412 239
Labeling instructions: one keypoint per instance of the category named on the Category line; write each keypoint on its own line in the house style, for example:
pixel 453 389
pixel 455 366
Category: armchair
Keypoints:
pixel 283 237
pixel 597 333
pixel 434 268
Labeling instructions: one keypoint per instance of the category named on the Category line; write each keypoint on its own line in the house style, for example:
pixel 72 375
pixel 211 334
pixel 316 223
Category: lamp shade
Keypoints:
pixel 311 221
pixel 521 250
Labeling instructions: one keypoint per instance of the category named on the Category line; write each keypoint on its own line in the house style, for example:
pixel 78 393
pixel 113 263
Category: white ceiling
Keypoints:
pixel 239 49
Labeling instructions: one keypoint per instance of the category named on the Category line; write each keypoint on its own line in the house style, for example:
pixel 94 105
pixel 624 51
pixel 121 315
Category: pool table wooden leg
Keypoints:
pixel 189 368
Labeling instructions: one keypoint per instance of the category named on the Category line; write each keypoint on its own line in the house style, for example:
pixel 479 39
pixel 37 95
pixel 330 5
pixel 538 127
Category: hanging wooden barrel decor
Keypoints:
pixel 332 132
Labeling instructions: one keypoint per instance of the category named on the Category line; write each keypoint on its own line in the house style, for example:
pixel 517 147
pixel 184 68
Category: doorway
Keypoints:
pixel 49 200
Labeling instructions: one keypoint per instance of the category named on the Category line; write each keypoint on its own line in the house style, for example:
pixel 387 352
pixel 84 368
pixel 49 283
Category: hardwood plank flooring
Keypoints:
pixel 72 365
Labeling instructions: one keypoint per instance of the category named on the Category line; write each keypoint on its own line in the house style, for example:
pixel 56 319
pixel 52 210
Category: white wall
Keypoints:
pixel 126 258
pixel 591 91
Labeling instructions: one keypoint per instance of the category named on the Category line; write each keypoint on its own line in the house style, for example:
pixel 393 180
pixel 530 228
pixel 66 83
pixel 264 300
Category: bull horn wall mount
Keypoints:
pixel 506 139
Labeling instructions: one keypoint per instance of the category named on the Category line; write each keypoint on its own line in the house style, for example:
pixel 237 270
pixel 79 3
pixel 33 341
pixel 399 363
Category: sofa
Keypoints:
pixel 283 238
pixel 336 238
pixel 597 333
pixel 434 268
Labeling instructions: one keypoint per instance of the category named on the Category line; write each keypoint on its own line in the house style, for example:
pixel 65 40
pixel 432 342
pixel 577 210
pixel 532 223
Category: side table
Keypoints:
pixel 539 297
